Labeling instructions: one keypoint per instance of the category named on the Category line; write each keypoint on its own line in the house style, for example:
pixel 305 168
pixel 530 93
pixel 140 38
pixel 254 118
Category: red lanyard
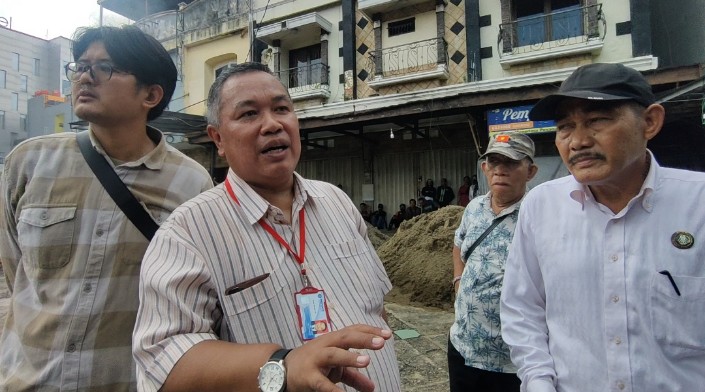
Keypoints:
pixel 302 229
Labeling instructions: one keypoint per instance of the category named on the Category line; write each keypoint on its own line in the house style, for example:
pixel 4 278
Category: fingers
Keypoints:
pixel 319 383
pixel 356 336
pixel 321 363
pixel 355 379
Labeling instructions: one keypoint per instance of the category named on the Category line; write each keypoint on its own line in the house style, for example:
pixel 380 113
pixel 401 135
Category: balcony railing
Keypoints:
pixel 162 26
pixel 567 26
pixel 305 79
pixel 408 59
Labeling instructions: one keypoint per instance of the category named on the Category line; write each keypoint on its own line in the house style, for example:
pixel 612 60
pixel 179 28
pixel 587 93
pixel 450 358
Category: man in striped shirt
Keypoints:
pixel 222 278
pixel 70 255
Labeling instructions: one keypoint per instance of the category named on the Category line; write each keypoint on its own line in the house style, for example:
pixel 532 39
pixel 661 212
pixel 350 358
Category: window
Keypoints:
pixel 2 119
pixel 23 83
pixel 14 101
pixel 547 20
pixel 306 66
pixel 23 122
pixel 16 61
pixel 401 27
pixel 36 67
pixel 3 77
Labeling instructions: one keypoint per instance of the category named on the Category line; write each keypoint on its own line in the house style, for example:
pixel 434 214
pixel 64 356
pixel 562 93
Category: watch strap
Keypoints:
pixel 279 355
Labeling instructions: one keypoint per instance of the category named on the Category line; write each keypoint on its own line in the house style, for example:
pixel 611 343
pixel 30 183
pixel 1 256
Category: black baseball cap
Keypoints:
pixel 600 82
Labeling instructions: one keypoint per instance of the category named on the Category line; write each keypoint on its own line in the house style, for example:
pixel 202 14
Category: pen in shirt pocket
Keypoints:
pixel 245 284
pixel 673 282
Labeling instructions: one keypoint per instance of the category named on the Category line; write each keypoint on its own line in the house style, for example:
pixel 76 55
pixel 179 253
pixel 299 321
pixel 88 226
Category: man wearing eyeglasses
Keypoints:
pixel 478 359
pixel 70 255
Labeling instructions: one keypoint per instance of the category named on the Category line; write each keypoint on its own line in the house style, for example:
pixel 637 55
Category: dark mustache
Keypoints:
pixel 582 155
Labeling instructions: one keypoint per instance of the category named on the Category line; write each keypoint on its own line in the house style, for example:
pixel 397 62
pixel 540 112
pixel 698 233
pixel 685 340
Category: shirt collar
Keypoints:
pixel 154 160
pixel 486 203
pixel 256 207
pixel 581 193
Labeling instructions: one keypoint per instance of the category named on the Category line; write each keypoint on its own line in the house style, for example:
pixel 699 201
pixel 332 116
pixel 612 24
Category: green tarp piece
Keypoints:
pixel 404 334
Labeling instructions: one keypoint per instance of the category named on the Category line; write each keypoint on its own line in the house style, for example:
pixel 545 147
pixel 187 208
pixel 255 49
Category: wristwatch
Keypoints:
pixel 272 375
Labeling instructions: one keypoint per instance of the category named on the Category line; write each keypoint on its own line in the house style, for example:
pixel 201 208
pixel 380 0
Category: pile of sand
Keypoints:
pixel 376 237
pixel 419 258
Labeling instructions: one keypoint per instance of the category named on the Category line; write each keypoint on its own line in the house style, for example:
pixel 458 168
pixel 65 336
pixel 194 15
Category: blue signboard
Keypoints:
pixel 516 119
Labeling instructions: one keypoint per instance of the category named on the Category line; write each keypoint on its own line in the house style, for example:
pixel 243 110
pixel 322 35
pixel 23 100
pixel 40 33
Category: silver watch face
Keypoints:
pixel 272 377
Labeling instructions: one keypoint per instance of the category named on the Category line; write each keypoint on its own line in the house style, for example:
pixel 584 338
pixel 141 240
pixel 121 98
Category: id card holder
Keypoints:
pixel 312 311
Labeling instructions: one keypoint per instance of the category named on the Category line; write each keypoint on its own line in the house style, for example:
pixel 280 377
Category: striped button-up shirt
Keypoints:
pixel 72 261
pixel 211 243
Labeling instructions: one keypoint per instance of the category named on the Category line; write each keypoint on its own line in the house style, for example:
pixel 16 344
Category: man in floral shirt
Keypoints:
pixel 478 359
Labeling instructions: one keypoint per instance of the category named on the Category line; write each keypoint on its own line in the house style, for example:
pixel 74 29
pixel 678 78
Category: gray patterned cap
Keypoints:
pixel 513 145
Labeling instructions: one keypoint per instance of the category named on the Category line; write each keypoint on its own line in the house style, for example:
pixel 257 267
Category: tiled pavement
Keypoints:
pixel 422 360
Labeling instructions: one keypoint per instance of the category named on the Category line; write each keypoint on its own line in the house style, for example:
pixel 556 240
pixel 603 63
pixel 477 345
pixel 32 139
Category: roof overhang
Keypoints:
pixel 298 28
pixel 138 9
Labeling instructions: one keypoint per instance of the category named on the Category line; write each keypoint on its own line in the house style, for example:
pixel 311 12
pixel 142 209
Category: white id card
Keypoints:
pixel 312 310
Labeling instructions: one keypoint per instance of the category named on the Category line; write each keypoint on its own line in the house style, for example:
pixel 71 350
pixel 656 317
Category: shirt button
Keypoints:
pixel 617 340
pixel 71 348
pixel 99 232
pixel 614 258
pixel 44 216
pixel 615 299
pixel 87 288
pixel 620 385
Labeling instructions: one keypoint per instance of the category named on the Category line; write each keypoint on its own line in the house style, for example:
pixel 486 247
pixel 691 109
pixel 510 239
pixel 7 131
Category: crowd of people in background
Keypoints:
pixel 430 199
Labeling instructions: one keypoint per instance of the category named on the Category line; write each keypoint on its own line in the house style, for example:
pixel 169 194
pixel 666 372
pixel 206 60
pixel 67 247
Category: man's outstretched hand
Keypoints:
pixel 327 360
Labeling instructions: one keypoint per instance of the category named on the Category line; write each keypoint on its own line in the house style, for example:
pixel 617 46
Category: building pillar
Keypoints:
pixel 324 57
pixel 377 25
pixel 276 55
pixel 441 31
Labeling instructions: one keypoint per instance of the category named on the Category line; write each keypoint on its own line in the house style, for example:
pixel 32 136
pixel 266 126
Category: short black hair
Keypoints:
pixel 214 94
pixel 134 51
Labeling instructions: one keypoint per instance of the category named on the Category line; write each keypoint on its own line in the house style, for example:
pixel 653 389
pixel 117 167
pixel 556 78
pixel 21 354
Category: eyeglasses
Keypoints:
pixel 494 161
pixel 100 72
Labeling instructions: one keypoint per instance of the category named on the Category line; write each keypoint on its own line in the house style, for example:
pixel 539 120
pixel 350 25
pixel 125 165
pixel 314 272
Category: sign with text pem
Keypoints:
pixel 516 119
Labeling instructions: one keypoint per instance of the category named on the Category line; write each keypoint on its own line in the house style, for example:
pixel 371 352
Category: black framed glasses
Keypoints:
pixel 100 72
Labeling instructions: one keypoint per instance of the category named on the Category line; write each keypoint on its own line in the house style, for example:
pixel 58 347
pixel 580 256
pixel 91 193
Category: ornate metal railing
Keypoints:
pixel 306 78
pixel 566 26
pixel 407 59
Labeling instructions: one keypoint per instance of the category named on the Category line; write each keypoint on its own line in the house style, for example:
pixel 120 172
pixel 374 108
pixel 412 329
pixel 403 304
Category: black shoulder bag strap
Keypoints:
pixel 117 189
pixel 483 235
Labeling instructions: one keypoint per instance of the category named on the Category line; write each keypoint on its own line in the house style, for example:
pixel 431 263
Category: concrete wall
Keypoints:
pixel 47 119
pixel 200 62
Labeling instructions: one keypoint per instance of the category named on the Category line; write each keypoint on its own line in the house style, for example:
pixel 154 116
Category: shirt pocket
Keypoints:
pixel 356 264
pixel 250 312
pixel 677 320
pixel 46 235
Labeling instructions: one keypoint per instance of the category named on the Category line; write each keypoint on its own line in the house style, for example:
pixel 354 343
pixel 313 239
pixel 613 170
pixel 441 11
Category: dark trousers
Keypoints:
pixel 469 379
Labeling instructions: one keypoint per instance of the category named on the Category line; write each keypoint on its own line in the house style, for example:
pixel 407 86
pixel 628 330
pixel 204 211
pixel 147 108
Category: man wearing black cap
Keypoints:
pixel 604 286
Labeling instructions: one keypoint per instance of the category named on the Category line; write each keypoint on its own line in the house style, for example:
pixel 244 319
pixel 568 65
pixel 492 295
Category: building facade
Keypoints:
pixel 28 65
pixel 390 93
